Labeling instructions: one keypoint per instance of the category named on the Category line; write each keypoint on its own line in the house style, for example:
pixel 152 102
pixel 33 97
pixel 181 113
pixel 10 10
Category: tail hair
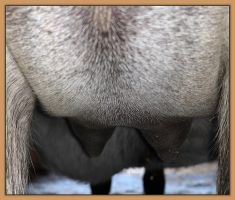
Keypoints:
pixel 223 135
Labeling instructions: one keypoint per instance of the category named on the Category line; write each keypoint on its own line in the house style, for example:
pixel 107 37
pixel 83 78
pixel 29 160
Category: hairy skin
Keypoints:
pixel 151 68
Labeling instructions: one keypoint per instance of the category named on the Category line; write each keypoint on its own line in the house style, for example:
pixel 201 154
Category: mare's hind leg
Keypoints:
pixel 101 188
pixel 154 181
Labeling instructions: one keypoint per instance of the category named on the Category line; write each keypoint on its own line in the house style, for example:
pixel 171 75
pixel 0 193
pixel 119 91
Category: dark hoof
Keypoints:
pixel 101 188
pixel 154 181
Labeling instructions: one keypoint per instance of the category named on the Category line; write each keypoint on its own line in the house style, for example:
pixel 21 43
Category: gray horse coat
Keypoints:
pixel 151 68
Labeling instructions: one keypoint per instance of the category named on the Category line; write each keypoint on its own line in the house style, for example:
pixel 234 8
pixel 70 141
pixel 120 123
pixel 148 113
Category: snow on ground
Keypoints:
pixel 198 179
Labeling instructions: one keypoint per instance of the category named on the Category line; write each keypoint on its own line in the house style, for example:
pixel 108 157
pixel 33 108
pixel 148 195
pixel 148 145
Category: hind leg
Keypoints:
pixel 154 181
pixel 101 188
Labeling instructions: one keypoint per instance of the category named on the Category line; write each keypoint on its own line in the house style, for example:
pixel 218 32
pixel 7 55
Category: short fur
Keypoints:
pixel 152 68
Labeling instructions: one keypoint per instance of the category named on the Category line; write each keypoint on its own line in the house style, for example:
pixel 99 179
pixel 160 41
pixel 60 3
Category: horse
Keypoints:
pixel 147 69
